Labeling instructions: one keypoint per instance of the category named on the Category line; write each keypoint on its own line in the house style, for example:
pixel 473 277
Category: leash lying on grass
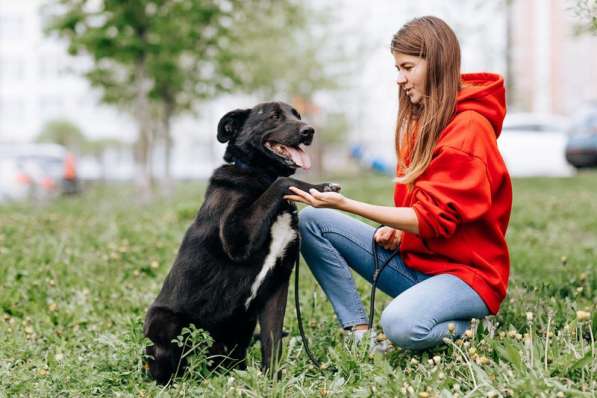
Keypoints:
pixel 376 273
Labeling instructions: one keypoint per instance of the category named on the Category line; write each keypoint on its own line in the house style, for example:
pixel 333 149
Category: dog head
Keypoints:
pixel 270 136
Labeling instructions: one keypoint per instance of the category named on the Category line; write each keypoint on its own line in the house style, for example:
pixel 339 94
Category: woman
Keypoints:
pixel 452 198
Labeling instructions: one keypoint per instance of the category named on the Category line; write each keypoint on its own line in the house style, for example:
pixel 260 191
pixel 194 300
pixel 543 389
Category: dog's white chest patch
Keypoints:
pixel 282 234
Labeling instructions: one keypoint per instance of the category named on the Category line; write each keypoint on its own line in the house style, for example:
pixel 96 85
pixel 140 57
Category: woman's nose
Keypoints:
pixel 401 78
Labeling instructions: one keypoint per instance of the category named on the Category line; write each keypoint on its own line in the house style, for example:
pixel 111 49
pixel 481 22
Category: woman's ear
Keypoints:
pixel 231 124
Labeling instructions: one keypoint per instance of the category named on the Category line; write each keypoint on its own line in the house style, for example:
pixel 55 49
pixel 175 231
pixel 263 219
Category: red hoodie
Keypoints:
pixel 464 197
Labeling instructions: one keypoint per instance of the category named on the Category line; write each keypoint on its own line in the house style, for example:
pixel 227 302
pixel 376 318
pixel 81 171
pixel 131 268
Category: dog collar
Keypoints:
pixel 242 165
pixel 262 175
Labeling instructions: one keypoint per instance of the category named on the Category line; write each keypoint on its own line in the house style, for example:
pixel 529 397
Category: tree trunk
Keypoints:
pixel 168 181
pixel 144 140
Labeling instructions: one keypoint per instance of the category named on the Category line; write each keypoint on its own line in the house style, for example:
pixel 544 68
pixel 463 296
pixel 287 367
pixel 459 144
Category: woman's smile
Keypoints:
pixel 412 76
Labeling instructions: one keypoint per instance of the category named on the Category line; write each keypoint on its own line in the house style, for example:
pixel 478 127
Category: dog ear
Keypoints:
pixel 231 124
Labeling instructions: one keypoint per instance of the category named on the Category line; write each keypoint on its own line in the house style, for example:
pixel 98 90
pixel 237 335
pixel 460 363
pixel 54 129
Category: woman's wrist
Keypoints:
pixel 347 204
pixel 402 218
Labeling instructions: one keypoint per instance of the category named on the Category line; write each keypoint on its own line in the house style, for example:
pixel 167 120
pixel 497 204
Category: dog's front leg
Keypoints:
pixel 243 228
pixel 271 320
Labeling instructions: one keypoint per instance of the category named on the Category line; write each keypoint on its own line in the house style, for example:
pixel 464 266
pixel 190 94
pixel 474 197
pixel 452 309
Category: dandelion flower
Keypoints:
pixel 583 315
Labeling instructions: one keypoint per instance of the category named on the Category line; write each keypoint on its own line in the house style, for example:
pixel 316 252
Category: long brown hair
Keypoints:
pixel 418 125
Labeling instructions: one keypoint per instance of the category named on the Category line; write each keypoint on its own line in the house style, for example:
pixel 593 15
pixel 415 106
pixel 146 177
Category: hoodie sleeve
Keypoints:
pixel 455 188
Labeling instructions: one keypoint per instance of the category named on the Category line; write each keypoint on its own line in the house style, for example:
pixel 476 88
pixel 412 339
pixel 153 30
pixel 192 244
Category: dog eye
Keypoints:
pixel 274 116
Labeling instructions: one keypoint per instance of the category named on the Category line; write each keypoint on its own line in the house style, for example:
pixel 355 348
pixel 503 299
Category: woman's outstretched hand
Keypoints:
pixel 332 200
pixel 388 238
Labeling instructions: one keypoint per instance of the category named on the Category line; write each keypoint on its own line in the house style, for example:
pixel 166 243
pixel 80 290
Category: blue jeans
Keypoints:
pixel 423 305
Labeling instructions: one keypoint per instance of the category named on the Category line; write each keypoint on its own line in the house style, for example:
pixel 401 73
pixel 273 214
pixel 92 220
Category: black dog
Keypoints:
pixel 235 260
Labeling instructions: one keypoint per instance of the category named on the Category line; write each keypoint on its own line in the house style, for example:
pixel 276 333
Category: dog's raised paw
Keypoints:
pixel 331 187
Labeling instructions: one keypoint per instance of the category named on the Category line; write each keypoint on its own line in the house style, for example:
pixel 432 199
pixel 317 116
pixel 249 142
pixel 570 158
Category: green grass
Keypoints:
pixel 78 274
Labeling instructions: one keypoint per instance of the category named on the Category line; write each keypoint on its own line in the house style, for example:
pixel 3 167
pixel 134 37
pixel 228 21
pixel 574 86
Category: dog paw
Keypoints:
pixel 331 187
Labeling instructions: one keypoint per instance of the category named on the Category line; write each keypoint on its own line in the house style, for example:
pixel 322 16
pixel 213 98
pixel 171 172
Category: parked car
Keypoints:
pixel 581 147
pixel 36 171
pixel 534 145
pixel 14 183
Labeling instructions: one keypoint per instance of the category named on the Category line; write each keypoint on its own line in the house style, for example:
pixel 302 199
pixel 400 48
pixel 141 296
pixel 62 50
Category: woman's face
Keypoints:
pixel 412 76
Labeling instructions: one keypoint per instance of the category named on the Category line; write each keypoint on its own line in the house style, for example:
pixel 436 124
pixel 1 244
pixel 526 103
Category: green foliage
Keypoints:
pixel 195 49
pixel 78 274
pixel 586 12
pixel 177 42
pixel 63 132
pixel 290 53
pixel 159 58
pixel 98 146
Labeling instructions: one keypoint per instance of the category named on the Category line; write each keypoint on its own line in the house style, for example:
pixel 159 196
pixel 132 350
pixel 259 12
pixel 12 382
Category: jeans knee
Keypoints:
pixel 309 219
pixel 306 219
pixel 404 331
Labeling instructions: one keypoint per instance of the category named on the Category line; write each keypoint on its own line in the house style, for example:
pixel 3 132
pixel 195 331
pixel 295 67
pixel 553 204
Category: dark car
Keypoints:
pixel 581 146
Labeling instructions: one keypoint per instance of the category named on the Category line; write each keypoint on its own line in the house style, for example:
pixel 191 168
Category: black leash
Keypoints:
pixel 376 274
pixel 299 318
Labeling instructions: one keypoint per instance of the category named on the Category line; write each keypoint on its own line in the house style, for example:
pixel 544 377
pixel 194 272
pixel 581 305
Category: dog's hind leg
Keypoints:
pixel 163 362
pixel 164 357
pixel 271 320
pixel 231 351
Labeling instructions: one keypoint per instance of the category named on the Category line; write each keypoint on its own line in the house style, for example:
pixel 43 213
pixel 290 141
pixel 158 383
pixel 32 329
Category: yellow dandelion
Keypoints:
pixel 381 337
pixel 583 315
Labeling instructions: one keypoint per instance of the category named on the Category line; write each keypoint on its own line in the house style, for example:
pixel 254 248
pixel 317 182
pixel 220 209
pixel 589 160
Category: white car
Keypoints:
pixel 14 183
pixel 31 171
pixel 535 145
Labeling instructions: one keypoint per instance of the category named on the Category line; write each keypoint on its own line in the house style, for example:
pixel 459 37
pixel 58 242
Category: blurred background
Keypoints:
pixel 104 91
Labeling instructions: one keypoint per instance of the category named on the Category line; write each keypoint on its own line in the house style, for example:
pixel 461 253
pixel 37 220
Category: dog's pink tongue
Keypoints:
pixel 299 157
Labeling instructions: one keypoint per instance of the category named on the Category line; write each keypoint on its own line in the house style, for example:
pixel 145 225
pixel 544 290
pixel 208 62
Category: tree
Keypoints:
pixel 302 62
pixel 65 133
pixel 586 12
pixel 160 58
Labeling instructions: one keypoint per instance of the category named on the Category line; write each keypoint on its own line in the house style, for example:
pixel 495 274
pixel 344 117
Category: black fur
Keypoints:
pixel 224 249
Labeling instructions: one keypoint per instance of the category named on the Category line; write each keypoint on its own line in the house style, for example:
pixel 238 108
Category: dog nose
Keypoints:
pixel 306 132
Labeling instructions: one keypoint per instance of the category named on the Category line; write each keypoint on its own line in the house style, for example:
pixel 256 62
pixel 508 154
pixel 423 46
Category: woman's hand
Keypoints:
pixel 332 200
pixel 388 238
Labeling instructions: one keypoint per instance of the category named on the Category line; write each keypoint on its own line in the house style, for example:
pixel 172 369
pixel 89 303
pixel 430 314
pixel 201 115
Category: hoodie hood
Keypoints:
pixel 485 94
